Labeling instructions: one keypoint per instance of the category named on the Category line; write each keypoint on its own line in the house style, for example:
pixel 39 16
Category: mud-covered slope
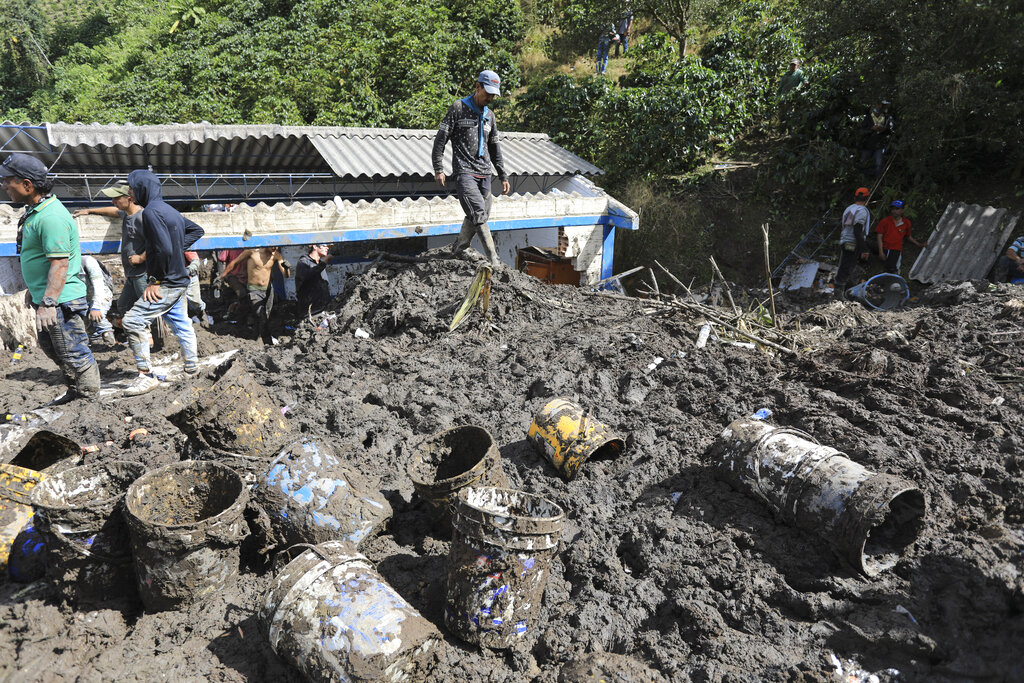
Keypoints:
pixel 659 561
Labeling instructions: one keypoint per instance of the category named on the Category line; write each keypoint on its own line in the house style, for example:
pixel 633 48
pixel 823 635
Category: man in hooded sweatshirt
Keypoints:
pixel 473 131
pixel 168 235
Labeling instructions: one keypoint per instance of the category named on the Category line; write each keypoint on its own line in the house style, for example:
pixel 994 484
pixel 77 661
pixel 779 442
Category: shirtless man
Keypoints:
pixel 259 264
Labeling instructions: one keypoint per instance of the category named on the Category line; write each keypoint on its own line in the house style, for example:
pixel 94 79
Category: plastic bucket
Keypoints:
pixel 869 518
pixel 235 415
pixel 15 512
pixel 331 615
pixel 311 496
pixel 186 523
pixel 451 460
pixel 78 512
pixel 498 565
pixel 882 292
pixel 568 436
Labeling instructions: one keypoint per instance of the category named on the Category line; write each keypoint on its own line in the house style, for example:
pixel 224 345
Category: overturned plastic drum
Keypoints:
pixel 312 496
pixel 568 436
pixel 79 512
pixel 331 615
pixel 186 523
pixel 236 417
pixel 869 518
pixel 451 460
pixel 498 566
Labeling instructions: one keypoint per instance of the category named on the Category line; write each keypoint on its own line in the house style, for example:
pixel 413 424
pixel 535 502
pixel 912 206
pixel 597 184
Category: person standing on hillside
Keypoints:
pixel 312 291
pixel 891 232
pixel 853 238
pixel 604 46
pixel 259 265
pixel 133 246
pixel 167 235
pixel 791 80
pixel 624 28
pixel 876 127
pixel 51 260
pixel 473 131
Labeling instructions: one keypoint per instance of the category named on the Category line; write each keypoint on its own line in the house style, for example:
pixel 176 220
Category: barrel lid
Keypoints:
pixel 510 510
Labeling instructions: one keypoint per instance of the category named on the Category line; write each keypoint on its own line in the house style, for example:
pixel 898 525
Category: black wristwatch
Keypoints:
pixel 49 302
pixel 152 280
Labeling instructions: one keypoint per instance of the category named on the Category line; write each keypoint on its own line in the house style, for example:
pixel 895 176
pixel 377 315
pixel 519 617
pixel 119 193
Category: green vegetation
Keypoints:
pixel 698 85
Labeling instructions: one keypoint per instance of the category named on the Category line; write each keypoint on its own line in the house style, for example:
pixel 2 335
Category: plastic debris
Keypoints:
pixel 17 354
pixel 90 449
pixel 762 414
pixel 19 417
pixel 998 401
pixel 676 496
pixel 658 360
pixel 141 431
pixel 900 609
pixel 286 410
pixel 362 334
pixel 702 338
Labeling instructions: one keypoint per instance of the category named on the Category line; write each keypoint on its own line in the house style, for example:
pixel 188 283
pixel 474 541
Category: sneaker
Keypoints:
pixel 191 370
pixel 108 338
pixel 141 385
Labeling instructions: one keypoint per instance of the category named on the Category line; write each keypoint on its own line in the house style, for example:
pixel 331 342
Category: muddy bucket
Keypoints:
pixel 451 460
pixel 15 512
pixel 498 565
pixel 882 292
pixel 311 496
pixel 186 524
pixel 869 518
pixel 235 415
pixel 568 436
pixel 331 615
pixel 78 512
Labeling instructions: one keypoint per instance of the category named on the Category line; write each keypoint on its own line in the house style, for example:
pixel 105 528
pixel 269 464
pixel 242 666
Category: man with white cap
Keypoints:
pixel 473 131
pixel 133 245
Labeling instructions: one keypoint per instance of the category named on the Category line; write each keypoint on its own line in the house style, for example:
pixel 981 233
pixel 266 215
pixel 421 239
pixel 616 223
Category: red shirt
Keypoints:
pixel 892 234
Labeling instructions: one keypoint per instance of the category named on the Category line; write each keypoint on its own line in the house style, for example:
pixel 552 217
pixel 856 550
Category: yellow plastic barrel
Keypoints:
pixel 15 510
pixel 568 436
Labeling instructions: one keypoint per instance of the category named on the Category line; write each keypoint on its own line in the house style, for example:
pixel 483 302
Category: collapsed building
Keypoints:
pixel 361 188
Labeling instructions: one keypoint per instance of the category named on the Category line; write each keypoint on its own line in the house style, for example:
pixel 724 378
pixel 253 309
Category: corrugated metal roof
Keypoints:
pixel 966 243
pixel 207 148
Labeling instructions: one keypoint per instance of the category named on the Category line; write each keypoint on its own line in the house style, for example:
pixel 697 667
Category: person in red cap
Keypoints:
pixel 891 232
pixel 853 238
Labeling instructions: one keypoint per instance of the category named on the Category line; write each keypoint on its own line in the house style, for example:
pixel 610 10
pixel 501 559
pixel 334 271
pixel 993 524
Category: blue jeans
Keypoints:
pixel 196 305
pixel 67 345
pixel 132 292
pixel 173 306
pixel 602 59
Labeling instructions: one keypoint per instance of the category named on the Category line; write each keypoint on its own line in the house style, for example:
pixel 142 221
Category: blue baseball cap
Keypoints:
pixel 23 166
pixel 897 204
pixel 490 81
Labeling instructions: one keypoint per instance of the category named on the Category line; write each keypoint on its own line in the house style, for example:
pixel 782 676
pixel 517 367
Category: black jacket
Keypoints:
pixel 168 234
pixel 311 290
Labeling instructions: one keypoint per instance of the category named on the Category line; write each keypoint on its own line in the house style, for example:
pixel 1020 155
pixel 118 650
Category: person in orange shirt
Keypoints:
pixel 891 231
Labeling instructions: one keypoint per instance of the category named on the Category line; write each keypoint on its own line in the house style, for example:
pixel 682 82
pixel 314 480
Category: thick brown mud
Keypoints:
pixel 664 571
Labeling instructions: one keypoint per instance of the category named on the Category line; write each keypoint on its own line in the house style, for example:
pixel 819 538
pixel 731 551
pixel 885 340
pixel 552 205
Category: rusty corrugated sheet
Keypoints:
pixel 965 245
pixel 207 148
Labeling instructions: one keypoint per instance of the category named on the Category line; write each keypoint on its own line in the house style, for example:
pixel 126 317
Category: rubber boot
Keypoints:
pixel 489 250
pixel 464 238
pixel 87 383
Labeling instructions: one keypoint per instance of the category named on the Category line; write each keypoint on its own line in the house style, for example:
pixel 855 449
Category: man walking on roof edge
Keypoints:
pixel 167 235
pixel 473 130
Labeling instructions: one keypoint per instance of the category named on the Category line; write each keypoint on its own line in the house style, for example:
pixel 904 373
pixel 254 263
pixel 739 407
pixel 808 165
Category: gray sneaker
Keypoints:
pixel 142 385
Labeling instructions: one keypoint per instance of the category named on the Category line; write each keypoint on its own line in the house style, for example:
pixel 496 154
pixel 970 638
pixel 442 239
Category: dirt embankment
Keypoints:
pixel 660 561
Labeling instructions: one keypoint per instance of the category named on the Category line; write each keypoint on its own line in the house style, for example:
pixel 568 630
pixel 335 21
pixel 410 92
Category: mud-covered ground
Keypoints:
pixel 660 562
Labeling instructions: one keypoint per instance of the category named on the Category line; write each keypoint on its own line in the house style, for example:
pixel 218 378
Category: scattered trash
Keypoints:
pixel 762 414
pixel 658 360
pixel 185 522
pixel 998 401
pixel 675 496
pixel 91 449
pixel 451 460
pixel 882 292
pixel 900 609
pixel 568 436
pixel 274 341
pixel 141 431
pixel 79 514
pixel 501 552
pixel 312 496
pixel 744 345
pixel 286 410
pixel 331 615
pixel 17 354
pixel 362 334
pixel 20 417
pixel 870 518
pixel 679 354
pixel 128 419
pixel 702 338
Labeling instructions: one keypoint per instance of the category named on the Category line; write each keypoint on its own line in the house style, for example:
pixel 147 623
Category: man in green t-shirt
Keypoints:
pixel 51 259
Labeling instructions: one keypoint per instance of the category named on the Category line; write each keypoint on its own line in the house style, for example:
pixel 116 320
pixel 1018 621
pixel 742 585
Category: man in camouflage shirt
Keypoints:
pixel 473 130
